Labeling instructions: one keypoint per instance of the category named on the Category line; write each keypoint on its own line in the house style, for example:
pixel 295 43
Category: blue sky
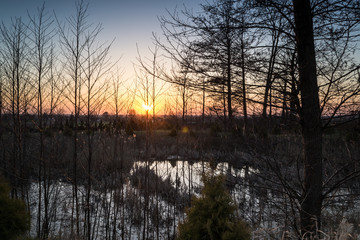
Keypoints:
pixel 129 22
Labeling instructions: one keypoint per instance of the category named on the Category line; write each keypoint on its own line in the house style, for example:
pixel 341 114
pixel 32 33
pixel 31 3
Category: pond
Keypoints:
pixel 124 205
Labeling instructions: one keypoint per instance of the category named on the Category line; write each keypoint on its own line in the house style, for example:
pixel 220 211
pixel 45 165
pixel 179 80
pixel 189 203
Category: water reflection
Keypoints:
pixel 188 173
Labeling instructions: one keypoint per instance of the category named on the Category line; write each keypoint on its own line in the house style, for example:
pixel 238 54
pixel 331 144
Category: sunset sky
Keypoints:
pixel 128 23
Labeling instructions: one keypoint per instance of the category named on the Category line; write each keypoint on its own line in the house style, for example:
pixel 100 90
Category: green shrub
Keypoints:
pixel 14 218
pixel 213 215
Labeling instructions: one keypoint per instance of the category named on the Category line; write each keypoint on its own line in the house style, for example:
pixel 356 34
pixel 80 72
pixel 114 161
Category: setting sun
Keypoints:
pixel 147 107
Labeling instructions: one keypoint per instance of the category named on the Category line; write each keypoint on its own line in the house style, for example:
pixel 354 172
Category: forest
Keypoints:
pixel 244 117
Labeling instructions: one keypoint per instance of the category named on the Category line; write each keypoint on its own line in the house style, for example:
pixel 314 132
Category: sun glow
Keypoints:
pixel 147 107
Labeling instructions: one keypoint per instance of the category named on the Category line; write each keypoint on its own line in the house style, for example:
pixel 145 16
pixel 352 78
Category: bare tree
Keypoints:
pixel 217 46
pixel 41 34
pixel 319 22
pixel 73 42
pixel 95 66
pixel 15 67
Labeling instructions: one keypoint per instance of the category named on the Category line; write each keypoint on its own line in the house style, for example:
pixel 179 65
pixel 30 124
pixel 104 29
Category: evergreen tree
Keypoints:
pixel 14 218
pixel 213 214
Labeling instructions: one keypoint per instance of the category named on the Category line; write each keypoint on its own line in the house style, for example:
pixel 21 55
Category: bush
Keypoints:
pixel 14 218
pixel 213 214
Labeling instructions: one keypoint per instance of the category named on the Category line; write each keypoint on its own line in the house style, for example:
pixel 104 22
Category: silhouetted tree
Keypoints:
pixel 95 67
pixel 319 22
pixel 311 203
pixel 41 34
pixel 212 45
pixel 73 42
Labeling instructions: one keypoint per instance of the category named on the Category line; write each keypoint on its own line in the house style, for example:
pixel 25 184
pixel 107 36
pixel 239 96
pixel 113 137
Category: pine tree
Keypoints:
pixel 213 214
pixel 14 218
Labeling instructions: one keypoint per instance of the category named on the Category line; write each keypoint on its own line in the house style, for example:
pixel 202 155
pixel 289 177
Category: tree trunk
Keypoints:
pixel 228 83
pixel 294 101
pixel 203 103
pixel 311 201
pixel 243 84
pixel 269 76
